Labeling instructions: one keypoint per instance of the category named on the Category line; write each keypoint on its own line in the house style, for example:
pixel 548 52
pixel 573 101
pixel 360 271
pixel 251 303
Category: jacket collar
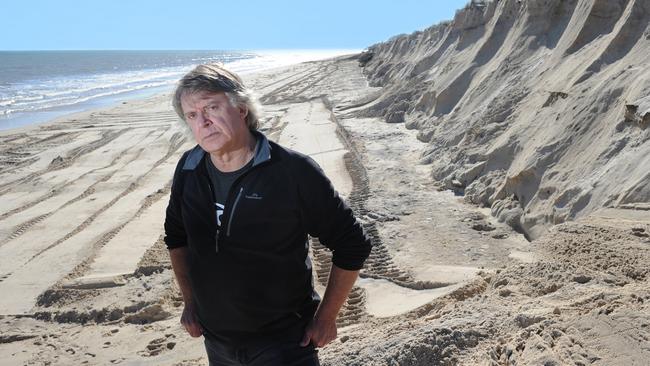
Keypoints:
pixel 262 153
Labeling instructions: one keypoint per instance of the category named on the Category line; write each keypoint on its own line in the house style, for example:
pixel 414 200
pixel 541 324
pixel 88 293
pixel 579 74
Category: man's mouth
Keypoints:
pixel 214 134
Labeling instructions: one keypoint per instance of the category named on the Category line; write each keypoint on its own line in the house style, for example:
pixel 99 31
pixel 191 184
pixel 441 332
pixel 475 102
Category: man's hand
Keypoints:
pixel 190 322
pixel 322 329
pixel 179 264
pixel 319 332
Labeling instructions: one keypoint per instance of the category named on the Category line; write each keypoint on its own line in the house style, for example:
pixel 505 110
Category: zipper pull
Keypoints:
pixel 216 242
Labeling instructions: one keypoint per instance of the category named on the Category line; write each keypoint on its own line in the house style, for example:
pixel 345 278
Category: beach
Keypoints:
pixel 87 203
pixel 91 282
pixel 497 162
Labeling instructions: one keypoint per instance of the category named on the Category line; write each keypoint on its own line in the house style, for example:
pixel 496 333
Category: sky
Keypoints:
pixel 213 25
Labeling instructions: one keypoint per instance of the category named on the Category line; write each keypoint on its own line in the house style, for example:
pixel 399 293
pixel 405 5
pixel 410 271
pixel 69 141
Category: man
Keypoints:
pixel 240 212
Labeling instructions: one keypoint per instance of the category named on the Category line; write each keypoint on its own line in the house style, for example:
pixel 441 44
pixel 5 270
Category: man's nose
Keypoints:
pixel 204 118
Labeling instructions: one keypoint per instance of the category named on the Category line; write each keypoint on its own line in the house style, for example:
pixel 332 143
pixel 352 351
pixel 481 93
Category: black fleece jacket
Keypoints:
pixel 255 274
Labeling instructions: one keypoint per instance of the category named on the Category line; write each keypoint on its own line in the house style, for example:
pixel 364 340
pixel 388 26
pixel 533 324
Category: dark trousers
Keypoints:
pixel 281 350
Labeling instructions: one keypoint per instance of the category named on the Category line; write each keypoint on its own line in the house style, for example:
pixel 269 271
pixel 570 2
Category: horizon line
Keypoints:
pixel 188 49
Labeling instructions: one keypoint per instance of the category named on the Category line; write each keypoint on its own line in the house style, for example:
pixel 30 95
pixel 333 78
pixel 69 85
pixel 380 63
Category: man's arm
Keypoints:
pixel 179 264
pixel 322 329
pixel 329 219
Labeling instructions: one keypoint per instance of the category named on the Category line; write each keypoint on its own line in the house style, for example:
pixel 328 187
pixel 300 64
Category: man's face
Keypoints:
pixel 217 125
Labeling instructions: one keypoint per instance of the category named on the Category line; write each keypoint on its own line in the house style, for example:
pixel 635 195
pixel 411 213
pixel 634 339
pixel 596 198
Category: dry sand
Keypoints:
pixel 85 277
pixel 537 109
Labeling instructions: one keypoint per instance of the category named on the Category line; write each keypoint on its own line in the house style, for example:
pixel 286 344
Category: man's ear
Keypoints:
pixel 243 111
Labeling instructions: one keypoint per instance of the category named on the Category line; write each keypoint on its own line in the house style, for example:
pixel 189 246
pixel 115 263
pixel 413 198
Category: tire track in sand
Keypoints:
pixel 81 269
pixel 22 228
pixel 54 191
pixel 353 311
pixel 304 83
pixel 379 264
pixel 22 154
pixel 176 142
pixel 69 159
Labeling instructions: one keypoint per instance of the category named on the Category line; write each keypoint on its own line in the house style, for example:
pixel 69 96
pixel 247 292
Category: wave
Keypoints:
pixel 70 99
pixel 56 93
pixel 40 95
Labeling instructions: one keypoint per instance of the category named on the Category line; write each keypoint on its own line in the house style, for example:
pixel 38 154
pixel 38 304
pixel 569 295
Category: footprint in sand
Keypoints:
pixel 159 345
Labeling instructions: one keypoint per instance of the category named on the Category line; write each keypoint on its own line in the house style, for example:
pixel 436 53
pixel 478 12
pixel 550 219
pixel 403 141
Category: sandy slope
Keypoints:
pixel 86 278
pixel 538 109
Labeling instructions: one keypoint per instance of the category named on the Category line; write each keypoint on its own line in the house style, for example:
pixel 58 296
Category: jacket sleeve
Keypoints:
pixel 175 236
pixel 329 218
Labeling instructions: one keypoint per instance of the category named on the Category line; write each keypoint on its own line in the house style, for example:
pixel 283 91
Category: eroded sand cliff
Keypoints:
pixel 538 109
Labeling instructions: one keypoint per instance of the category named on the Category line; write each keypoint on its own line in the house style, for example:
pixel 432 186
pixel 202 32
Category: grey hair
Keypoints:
pixel 217 79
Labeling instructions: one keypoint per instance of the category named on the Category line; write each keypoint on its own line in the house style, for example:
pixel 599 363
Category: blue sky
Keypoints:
pixel 216 24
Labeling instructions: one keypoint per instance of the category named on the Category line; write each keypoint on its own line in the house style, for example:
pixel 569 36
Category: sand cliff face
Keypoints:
pixel 538 109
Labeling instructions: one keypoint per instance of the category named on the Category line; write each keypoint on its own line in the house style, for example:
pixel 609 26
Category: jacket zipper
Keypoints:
pixel 216 237
pixel 232 211
pixel 234 206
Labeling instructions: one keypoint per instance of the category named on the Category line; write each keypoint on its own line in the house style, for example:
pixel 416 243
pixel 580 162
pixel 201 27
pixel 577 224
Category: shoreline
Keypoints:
pixel 265 61
pixel 67 112
pixel 73 116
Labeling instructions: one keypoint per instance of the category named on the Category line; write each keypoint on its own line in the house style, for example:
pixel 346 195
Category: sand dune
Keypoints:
pixel 524 104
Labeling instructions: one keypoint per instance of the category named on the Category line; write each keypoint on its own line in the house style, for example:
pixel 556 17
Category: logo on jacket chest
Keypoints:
pixel 219 207
pixel 253 196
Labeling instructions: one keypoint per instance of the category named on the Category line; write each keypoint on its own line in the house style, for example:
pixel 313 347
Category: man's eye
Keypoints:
pixel 190 116
pixel 212 107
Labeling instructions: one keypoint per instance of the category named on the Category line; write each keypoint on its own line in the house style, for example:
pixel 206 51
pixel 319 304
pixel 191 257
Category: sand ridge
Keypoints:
pixel 536 109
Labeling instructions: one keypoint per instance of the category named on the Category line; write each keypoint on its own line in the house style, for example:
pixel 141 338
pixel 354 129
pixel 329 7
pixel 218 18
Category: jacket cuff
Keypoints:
pixel 173 244
pixel 349 264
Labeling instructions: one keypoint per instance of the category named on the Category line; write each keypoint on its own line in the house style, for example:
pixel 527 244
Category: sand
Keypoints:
pixel 83 210
pixel 86 279
pixel 537 109
pixel 91 281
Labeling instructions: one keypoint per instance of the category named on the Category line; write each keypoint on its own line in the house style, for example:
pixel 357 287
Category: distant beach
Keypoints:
pixel 38 86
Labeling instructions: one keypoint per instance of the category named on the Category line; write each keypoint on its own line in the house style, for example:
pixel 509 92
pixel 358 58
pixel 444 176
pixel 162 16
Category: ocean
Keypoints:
pixel 37 86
